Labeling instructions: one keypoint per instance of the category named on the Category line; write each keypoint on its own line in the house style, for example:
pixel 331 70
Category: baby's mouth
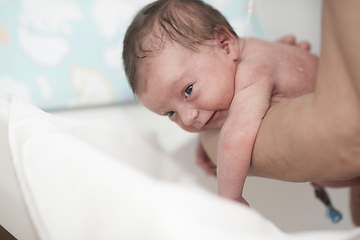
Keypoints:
pixel 211 118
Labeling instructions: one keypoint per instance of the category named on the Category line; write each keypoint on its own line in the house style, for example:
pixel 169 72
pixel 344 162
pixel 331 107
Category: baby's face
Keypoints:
pixel 193 88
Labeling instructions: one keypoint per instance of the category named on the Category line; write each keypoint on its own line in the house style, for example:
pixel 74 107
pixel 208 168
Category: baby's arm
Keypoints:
pixel 238 135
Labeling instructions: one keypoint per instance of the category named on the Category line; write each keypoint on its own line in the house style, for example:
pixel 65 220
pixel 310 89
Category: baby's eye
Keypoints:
pixel 170 113
pixel 188 91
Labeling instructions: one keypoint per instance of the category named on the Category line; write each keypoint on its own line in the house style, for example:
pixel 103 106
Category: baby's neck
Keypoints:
pixel 250 47
pixel 243 46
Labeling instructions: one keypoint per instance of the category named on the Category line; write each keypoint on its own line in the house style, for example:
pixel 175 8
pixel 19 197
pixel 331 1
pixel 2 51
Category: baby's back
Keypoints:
pixel 291 70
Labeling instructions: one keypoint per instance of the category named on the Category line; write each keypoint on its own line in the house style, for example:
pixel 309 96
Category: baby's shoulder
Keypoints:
pixel 254 47
pixel 254 73
pixel 255 65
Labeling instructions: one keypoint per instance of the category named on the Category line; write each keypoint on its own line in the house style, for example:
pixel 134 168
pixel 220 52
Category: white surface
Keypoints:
pixel 13 210
pixel 74 191
pixel 291 206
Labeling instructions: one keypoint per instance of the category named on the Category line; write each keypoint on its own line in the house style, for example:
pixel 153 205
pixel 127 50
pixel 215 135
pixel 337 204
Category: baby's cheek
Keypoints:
pixel 173 119
pixel 178 121
pixel 184 127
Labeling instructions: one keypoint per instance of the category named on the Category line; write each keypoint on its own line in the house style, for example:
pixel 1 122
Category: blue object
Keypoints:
pixel 334 215
pixel 331 213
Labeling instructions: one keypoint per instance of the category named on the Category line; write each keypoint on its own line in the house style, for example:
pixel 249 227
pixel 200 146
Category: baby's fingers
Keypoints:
pixel 291 40
pixel 288 39
pixel 243 201
pixel 304 45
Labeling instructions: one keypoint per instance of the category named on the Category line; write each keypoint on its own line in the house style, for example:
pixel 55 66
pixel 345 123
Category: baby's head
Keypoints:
pixel 187 22
pixel 161 52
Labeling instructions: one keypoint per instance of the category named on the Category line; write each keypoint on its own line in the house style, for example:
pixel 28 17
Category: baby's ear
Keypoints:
pixel 226 41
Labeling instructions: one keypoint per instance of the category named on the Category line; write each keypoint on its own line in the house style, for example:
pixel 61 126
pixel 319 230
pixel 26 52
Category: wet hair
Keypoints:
pixel 187 22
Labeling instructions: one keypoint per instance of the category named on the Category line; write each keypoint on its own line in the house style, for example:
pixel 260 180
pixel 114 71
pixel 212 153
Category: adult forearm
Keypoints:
pixel 299 142
pixel 317 136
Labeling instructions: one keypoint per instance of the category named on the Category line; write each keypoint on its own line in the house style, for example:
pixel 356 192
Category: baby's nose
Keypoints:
pixel 188 116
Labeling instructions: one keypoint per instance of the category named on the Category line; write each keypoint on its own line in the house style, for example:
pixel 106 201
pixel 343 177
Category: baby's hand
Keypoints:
pixel 291 40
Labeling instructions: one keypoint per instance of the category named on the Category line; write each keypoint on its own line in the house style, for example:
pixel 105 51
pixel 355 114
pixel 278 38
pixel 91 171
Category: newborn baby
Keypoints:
pixel 184 61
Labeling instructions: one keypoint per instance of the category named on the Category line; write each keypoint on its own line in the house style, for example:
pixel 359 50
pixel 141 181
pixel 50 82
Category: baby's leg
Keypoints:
pixel 209 141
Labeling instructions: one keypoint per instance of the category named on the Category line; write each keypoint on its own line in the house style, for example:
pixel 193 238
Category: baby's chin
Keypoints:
pixel 203 129
pixel 193 129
